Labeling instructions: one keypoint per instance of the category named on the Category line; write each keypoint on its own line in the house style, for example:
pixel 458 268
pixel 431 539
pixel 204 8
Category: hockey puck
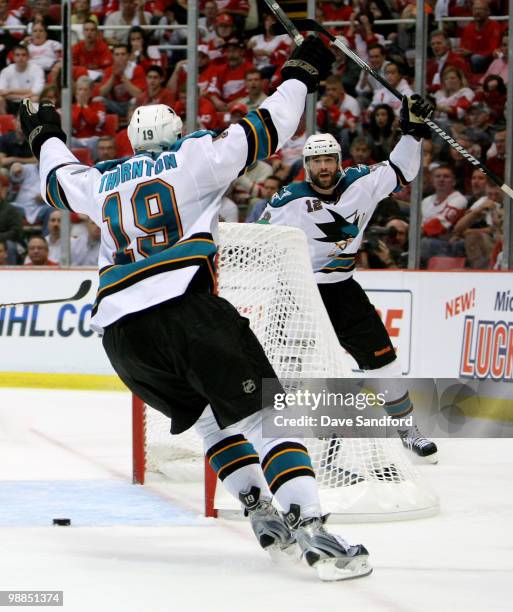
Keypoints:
pixel 62 522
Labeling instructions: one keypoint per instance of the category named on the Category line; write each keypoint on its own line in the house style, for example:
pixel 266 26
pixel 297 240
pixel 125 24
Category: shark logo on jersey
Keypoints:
pixel 340 231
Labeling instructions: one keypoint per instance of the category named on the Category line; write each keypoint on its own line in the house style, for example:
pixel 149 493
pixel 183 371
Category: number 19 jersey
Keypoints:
pixel 158 213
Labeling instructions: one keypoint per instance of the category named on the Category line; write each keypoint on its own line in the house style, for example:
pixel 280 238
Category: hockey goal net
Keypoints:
pixel 265 272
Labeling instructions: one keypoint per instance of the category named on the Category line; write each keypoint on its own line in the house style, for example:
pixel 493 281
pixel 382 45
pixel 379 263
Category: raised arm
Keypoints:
pixel 65 183
pixel 265 130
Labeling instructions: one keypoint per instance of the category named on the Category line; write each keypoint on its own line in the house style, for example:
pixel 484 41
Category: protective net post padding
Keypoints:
pixel 265 272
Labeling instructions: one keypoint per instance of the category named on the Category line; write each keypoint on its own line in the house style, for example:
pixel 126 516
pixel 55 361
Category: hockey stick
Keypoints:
pixel 82 291
pixel 311 25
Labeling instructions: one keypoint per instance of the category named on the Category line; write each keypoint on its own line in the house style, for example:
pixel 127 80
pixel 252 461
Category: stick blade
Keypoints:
pixel 83 290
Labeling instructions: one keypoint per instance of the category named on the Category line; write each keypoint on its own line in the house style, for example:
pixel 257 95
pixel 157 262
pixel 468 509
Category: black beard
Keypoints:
pixel 316 182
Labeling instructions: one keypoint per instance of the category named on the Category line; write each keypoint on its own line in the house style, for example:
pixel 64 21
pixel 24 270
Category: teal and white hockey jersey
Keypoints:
pixel 334 225
pixel 158 213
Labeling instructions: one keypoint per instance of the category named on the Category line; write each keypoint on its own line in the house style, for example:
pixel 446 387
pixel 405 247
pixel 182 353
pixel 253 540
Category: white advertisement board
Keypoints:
pixel 53 338
pixel 443 324
pixel 461 322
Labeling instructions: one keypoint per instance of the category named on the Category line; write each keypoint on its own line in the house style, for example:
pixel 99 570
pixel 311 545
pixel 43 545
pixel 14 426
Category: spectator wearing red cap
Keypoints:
pixel 93 52
pixel 480 38
pixel 224 29
pixel 238 9
pixel 231 75
pixel 155 92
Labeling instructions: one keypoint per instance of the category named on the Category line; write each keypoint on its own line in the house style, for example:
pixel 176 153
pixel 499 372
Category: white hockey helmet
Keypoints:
pixel 154 128
pixel 321 144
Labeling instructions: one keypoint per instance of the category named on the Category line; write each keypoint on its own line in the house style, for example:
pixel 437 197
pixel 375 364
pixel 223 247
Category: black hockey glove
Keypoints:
pixel 38 126
pixel 310 63
pixel 413 110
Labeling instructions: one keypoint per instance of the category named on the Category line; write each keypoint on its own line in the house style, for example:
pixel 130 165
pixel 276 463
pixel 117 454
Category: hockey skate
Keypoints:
pixel 270 528
pixel 331 556
pixel 413 440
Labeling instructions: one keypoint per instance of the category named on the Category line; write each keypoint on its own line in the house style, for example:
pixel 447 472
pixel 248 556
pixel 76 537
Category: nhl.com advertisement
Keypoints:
pixel 444 324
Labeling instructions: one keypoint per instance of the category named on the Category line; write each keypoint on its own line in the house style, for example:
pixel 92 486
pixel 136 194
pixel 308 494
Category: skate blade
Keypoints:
pixel 342 569
pixel 284 556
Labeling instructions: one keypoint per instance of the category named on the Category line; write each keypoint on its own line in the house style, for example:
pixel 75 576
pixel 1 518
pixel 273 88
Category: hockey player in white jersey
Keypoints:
pixel 333 206
pixel 171 340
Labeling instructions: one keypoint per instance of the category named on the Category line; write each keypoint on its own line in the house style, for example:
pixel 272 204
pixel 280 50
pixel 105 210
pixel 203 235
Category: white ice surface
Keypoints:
pixel 76 446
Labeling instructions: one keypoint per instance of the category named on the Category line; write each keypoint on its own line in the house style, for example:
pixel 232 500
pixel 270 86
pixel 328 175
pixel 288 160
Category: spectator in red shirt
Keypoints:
pixel 122 81
pixel 87 117
pixel 155 92
pixel 480 38
pixel 207 74
pixel 223 32
pixel 360 153
pixel 337 10
pixel 360 33
pixel 231 75
pixel 207 115
pixel 337 111
pixel 93 52
pixel 443 57
pixel 37 254
pixel 494 95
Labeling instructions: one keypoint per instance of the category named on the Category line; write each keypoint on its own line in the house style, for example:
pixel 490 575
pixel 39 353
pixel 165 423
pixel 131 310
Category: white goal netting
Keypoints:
pixel 265 272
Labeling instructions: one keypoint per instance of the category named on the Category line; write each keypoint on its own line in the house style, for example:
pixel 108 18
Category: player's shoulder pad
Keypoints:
pixel 105 166
pixel 290 192
pixel 198 134
pixel 352 174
